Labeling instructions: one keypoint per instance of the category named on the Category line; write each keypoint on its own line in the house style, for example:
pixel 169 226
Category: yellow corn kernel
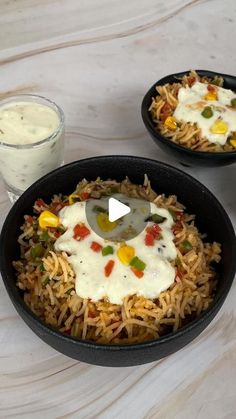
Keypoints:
pixel 125 254
pixel 171 123
pixel 211 96
pixel 72 198
pixel 104 223
pixel 219 127
pixel 233 143
pixel 48 219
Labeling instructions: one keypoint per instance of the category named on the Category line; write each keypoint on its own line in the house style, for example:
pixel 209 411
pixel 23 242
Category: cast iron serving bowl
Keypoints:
pixel 185 155
pixel 211 218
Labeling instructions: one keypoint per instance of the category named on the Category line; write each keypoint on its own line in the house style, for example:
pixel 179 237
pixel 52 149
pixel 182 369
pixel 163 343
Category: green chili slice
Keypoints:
pixel 37 251
pixel 186 245
pixel 156 218
pixel 207 112
pixel 217 81
pixel 173 214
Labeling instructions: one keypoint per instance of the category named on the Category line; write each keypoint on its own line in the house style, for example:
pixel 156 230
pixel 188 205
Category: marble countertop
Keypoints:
pixel 96 59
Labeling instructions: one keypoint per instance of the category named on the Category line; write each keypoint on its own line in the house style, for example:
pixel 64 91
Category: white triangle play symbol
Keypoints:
pixel 116 209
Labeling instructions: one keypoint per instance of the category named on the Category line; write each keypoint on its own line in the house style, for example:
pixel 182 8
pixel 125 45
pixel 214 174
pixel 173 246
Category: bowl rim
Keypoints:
pixel 151 127
pixel 19 303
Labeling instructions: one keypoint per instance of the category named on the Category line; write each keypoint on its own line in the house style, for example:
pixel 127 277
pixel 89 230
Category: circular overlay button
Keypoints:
pixel 117 218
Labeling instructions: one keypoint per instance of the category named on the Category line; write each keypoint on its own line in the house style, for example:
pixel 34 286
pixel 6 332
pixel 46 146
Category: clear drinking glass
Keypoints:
pixel 22 164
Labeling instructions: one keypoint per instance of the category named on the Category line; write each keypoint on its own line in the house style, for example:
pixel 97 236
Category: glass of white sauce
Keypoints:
pixel 31 141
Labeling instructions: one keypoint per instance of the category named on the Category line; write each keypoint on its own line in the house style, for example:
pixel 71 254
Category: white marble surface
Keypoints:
pixel 96 59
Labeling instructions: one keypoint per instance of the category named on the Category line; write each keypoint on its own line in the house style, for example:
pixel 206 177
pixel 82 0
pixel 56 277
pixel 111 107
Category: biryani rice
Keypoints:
pixel 48 283
pixel 187 134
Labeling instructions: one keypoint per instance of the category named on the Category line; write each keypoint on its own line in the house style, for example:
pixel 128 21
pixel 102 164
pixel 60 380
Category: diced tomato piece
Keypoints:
pixel 179 215
pixel 149 239
pixel 211 88
pixel 177 227
pixel 29 219
pixel 57 206
pixel 91 314
pixel 85 195
pixel 178 275
pixel 191 80
pixel 81 231
pixel 165 112
pixel 96 247
pixel 40 203
pixel 109 267
pixel 155 230
pixel 137 273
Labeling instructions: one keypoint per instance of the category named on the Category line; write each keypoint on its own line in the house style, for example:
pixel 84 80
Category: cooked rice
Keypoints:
pixel 187 134
pixel 48 283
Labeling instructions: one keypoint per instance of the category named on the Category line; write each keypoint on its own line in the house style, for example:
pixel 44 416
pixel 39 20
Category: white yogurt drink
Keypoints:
pixel 31 140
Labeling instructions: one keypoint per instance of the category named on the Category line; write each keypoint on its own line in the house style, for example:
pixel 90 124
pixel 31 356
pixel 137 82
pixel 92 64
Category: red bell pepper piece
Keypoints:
pixel 40 203
pixel 29 219
pixel 211 88
pixel 191 80
pixel 96 247
pixel 155 230
pixel 81 231
pixel 149 239
pixel 85 195
pixel 137 273
pixel 165 112
pixel 109 267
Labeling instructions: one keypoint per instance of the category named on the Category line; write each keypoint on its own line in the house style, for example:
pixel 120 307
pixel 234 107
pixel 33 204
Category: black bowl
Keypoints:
pixel 211 218
pixel 185 155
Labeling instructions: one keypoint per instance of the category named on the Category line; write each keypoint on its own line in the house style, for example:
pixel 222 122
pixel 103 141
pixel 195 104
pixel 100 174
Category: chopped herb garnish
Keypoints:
pixel 44 236
pixel 41 267
pixel 178 262
pixel 45 281
pixel 69 290
pixel 61 229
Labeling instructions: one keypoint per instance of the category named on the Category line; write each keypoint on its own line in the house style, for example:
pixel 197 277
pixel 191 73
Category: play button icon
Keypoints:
pixel 117 209
pixel 117 218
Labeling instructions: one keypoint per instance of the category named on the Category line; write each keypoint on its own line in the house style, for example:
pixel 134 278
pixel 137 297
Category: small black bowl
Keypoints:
pixel 183 154
pixel 211 219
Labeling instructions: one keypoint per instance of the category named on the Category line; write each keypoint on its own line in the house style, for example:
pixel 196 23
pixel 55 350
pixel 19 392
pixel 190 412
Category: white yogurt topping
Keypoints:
pixel 26 122
pixel 191 103
pixel 89 265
